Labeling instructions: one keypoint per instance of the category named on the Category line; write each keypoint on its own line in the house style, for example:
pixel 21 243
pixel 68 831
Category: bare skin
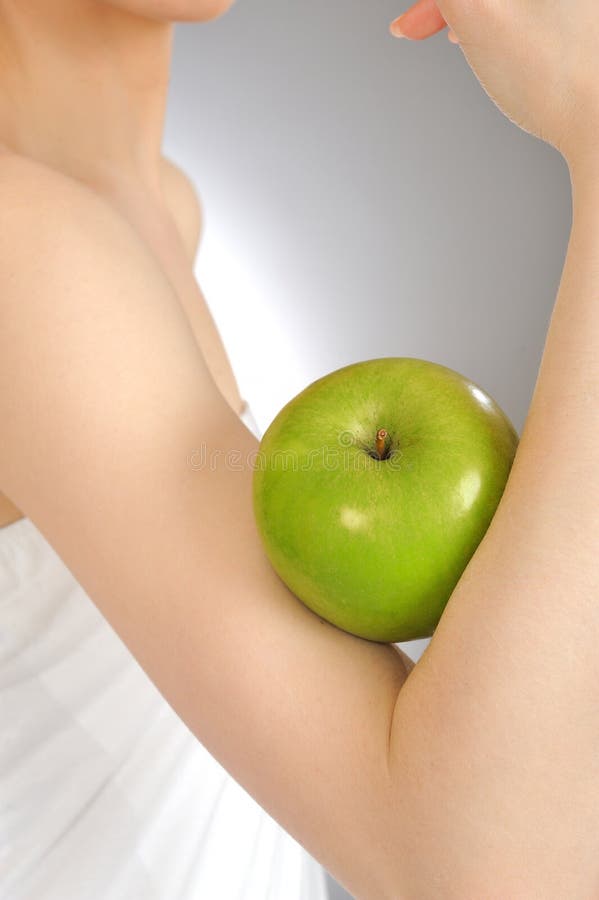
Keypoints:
pixel 473 774
pixel 169 219
pixel 172 234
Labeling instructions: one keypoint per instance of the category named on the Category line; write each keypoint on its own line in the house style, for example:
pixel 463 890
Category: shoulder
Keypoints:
pixel 57 234
pixel 41 206
pixel 184 203
pixel 31 190
pixel 89 322
pixel 23 180
pixel 45 219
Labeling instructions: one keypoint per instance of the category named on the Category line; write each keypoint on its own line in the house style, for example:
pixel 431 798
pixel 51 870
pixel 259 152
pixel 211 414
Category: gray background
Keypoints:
pixel 362 198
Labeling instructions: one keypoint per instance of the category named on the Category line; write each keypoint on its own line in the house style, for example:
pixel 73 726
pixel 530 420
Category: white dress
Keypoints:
pixel 104 793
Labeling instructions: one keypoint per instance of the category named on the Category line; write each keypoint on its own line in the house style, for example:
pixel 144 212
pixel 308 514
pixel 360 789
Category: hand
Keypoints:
pixel 537 59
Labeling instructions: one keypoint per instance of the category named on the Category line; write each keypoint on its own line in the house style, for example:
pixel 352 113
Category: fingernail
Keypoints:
pixel 395 28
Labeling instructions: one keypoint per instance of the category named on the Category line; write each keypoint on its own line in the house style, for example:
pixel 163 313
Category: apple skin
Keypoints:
pixel 376 546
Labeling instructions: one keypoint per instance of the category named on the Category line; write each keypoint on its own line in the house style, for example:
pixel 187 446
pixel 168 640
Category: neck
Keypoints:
pixel 83 88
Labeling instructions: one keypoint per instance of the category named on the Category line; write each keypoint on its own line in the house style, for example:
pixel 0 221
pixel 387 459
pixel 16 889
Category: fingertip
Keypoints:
pixel 420 21
pixel 395 28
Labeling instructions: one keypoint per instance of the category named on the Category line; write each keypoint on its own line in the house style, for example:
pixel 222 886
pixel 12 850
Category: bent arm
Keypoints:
pixel 495 738
pixel 107 405
pixel 411 789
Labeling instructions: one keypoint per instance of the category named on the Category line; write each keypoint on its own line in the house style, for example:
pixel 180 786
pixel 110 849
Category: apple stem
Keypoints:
pixel 380 442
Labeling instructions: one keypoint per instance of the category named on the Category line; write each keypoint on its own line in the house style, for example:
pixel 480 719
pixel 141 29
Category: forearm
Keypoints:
pixel 495 735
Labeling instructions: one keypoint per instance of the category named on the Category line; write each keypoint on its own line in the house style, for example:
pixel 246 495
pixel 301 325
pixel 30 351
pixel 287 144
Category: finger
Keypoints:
pixel 422 20
pixel 452 36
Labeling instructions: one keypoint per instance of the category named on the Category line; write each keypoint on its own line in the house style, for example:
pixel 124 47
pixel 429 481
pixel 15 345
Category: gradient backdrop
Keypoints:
pixel 362 197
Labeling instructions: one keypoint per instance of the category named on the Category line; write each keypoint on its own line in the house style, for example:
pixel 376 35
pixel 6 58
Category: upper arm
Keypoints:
pixel 105 399
pixel 185 205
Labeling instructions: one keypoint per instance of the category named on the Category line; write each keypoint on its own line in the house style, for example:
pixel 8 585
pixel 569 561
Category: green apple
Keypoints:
pixel 373 487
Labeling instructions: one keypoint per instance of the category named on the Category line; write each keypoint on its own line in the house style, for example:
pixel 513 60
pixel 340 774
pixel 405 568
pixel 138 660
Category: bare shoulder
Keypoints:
pixel 59 227
pixel 185 205
pixel 22 175
pixel 56 196
pixel 43 212
pixel 79 292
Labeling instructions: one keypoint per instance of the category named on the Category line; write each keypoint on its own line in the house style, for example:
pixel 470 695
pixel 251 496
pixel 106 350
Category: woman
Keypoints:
pixel 471 774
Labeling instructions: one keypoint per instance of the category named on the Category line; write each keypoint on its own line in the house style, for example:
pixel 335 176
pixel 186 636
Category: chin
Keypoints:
pixel 175 10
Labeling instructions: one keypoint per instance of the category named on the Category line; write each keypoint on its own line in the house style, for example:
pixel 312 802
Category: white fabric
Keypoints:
pixel 248 418
pixel 104 793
